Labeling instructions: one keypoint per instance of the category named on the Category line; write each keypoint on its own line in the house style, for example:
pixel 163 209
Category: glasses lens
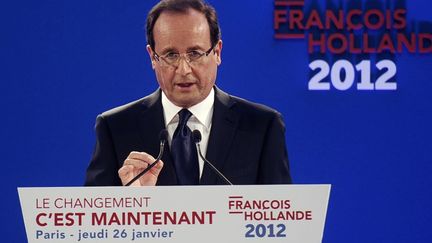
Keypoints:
pixel 193 58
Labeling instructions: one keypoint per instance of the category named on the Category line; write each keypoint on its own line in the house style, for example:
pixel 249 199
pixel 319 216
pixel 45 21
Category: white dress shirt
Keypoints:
pixel 201 120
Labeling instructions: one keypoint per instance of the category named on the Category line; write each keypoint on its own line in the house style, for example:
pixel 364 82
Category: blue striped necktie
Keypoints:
pixel 184 152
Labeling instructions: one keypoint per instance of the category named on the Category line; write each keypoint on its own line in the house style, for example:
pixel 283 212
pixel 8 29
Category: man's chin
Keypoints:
pixel 186 101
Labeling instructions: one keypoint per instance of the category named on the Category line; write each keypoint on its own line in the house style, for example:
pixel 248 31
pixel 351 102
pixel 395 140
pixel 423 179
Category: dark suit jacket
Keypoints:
pixel 246 143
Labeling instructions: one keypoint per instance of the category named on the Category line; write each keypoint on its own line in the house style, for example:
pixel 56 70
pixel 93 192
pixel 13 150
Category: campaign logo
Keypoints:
pixel 352 44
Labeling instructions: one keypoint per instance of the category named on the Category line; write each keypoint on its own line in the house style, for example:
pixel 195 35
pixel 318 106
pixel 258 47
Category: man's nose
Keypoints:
pixel 183 67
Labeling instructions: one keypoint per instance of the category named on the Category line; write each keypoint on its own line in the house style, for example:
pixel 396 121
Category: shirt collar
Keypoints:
pixel 202 111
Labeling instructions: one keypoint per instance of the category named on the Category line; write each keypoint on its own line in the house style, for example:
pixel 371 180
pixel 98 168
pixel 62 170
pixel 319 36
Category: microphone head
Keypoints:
pixel 196 135
pixel 163 135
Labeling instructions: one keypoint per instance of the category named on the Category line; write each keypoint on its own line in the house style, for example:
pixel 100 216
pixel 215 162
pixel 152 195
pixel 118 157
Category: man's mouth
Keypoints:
pixel 185 85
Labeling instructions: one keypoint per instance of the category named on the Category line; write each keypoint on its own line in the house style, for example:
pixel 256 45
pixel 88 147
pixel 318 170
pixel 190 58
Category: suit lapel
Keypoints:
pixel 151 122
pixel 224 125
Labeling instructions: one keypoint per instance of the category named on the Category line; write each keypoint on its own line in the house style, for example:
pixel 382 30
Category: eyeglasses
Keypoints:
pixel 193 58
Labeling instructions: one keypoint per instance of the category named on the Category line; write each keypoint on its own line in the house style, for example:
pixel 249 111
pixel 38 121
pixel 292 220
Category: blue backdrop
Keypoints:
pixel 64 62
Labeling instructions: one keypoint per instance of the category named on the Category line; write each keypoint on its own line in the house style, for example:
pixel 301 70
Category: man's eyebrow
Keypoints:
pixel 194 48
pixel 168 49
pixel 172 49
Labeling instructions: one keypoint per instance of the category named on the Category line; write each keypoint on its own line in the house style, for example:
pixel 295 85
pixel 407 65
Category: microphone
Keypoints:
pixel 197 139
pixel 163 137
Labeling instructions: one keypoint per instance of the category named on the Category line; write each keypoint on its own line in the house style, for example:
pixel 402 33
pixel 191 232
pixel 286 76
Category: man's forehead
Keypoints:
pixel 188 30
pixel 172 22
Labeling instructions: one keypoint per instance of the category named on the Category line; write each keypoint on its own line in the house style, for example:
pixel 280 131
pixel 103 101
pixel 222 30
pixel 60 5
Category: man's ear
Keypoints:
pixel 218 51
pixel 151 55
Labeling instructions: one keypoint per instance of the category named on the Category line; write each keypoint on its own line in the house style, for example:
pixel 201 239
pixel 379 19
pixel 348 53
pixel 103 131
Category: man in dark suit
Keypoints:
pixel 245 141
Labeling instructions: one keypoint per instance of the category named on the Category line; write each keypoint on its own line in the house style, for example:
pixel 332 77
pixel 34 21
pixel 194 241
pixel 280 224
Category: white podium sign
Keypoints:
pixel 255 213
